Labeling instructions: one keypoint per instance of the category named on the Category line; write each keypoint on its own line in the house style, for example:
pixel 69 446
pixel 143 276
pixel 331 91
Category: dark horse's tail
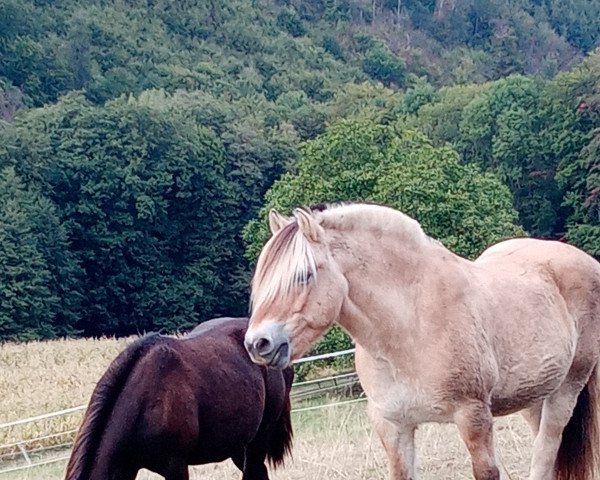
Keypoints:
pixel 578 454
pixel 280 439
pixel 101 405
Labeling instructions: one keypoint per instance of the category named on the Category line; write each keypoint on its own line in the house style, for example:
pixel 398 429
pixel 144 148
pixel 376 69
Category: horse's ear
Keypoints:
pixel 277 221
pixel 308 225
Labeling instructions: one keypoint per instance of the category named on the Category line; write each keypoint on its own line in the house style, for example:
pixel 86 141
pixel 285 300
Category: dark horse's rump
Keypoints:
pixel 166 403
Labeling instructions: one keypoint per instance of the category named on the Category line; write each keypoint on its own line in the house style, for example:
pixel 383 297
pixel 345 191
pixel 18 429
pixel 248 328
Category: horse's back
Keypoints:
pixel 575 274
pixel 545 314
pixel 538 251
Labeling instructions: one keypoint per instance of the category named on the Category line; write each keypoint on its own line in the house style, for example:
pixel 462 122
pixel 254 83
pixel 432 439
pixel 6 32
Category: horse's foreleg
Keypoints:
pixel 476 427
pixel 533 417
pixel 399 444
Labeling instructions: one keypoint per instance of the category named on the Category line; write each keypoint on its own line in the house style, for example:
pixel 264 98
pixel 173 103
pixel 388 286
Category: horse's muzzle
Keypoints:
pixel 269 347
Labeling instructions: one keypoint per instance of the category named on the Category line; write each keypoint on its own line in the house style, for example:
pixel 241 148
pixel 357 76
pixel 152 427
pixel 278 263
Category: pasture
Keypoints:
pixel 330 443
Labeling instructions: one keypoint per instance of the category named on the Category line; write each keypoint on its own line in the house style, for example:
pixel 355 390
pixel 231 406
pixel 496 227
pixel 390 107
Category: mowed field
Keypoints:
pixel 330 443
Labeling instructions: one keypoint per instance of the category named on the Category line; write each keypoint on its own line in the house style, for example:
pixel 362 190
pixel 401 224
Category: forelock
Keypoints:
pixel 283 265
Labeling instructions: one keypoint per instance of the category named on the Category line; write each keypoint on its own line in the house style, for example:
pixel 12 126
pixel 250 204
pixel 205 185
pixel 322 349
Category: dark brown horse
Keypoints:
pixel 166 403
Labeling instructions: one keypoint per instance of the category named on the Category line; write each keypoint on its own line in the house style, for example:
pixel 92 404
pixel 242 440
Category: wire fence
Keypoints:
pixel 54 432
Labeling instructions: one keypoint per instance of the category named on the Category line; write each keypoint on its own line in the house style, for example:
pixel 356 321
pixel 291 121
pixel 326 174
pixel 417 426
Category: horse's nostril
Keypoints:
pixel 263 346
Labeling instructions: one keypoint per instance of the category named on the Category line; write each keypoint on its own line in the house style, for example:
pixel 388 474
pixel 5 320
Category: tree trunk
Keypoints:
pixel 443 8
pixel 374 4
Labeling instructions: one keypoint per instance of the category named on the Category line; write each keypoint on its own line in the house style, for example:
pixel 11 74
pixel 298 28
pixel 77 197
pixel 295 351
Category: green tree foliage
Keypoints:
pixel 440 120
pixel 365 101
pixel 419 94
pixel 381 64
pixel 291 22
pixel 577 135
pixel 578 19
pixel 583 197
pixel 186 113
pixel 538 136
pixel 111 48
pixel 108 48
pixel 147 206
pixel 39 297
pixel 364 161
pixel 502 131
pixel 332 46
pixel 11 100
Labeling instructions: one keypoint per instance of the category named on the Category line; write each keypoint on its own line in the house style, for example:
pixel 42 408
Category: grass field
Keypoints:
pixel 40 377
pixel 331 443
pixel 337 443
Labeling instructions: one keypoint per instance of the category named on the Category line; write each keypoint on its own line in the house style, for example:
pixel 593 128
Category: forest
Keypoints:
pixel 142 142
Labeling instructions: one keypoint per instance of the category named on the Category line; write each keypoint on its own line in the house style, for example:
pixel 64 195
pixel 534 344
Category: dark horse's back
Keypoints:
pixel 166 403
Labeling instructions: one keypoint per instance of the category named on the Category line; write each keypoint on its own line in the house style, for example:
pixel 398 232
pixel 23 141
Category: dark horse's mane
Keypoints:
pixel 283 433
pixel 101 404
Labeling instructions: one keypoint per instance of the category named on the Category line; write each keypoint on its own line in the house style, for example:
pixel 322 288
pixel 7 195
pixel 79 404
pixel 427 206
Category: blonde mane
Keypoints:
pixel 287 259
pixel 372 217
pixel 284 264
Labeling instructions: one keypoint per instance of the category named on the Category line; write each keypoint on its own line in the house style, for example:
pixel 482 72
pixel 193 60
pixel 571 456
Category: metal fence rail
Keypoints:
pixel 34 452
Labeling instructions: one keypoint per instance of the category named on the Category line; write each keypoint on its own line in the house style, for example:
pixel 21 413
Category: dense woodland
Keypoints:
pixel 142 142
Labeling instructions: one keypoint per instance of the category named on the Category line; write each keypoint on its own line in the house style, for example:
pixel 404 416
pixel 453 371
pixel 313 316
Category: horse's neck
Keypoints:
pixel 386 284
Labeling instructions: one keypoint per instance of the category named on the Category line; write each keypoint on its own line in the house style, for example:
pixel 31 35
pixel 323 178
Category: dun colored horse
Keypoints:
pixel 438 337
pixel 166 403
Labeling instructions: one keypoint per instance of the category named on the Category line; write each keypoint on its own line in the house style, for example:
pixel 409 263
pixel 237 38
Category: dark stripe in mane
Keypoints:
pixel 101 404
pixel 318 207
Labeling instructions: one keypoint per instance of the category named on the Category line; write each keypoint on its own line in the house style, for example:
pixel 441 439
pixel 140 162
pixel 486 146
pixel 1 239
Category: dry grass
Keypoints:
pixel 332 443
pixel 337 444
pixel 41 377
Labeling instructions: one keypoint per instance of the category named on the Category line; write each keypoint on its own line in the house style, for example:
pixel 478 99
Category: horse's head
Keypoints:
pixel 297 290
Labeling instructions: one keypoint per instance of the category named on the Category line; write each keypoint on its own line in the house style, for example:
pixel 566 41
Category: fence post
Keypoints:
pixel 24 453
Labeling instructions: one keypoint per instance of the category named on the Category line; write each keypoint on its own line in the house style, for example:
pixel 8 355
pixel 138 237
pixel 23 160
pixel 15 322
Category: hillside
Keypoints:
pixel 268 47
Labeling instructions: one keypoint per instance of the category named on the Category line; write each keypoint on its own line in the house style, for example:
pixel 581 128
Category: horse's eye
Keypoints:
pixel 307 278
